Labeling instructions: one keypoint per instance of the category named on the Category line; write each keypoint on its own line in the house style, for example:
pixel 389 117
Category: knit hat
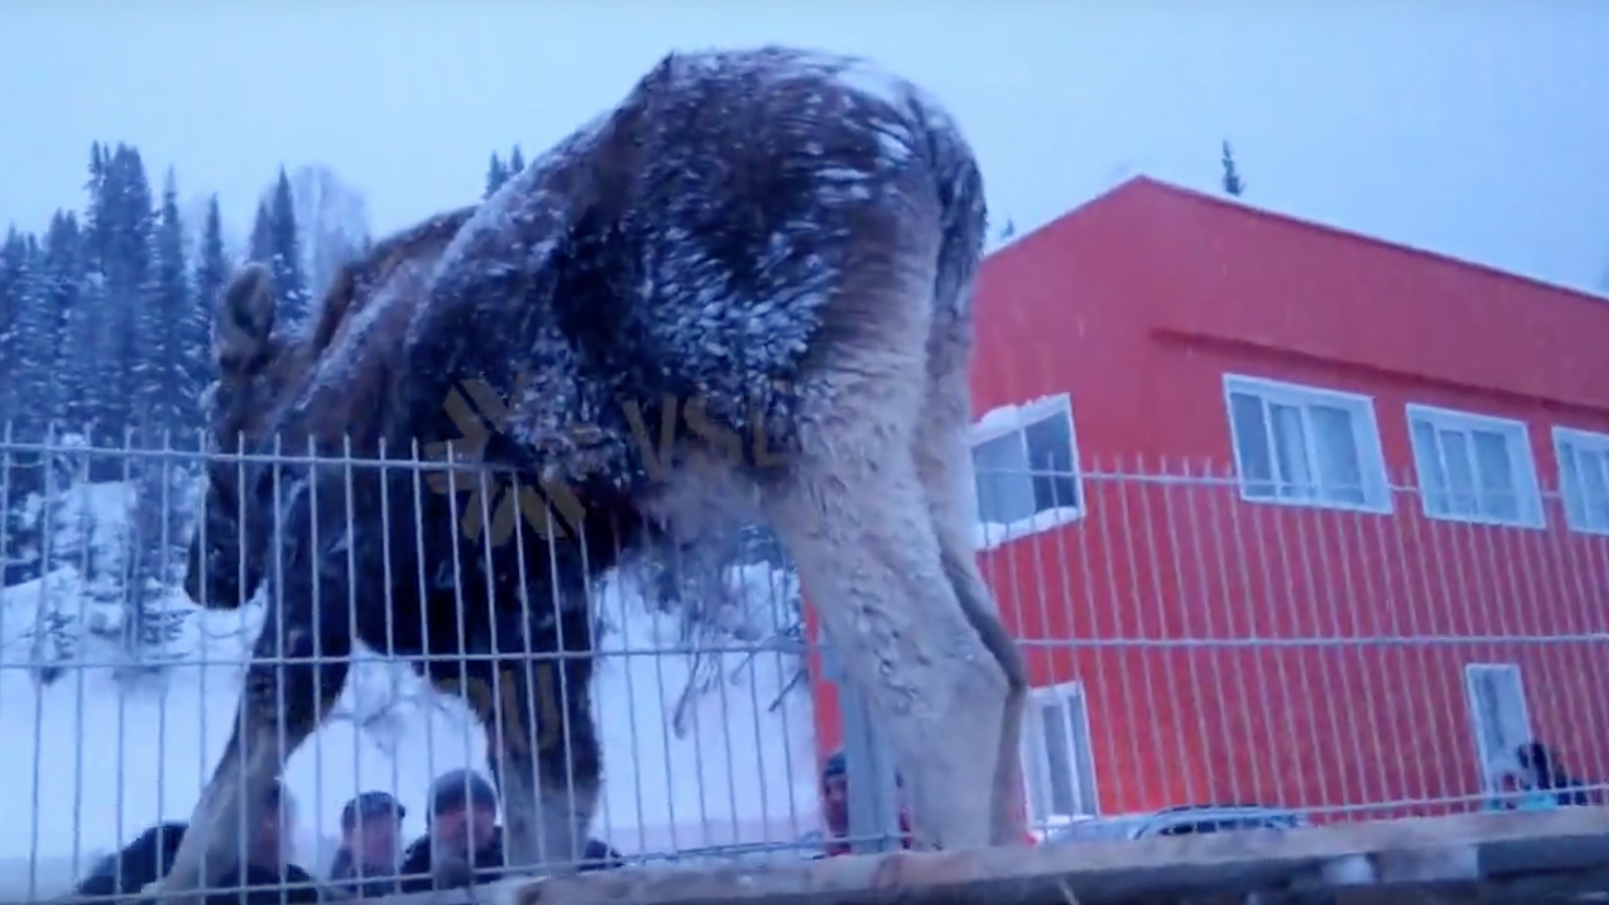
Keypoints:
pixel 835 766
pixel 452 789
pixel 370 804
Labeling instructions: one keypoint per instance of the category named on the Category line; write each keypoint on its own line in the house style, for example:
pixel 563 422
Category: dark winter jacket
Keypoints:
pixel 148 858
pixel 487 867
pixel 837 846
pixel 344 879
pixel 1568 791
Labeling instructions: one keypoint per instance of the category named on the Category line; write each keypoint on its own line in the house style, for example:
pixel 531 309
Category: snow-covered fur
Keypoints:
pixel 750 281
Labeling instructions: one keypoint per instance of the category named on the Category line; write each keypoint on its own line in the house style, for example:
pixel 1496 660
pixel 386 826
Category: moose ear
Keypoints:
pixel 245 319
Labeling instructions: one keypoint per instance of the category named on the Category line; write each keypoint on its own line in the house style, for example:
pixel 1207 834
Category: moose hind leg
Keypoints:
pixel 859 528
pixel 943 462
pixel 287 690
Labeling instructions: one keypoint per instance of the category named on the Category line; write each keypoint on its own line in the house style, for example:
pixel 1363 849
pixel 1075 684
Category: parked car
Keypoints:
pixel 1178 821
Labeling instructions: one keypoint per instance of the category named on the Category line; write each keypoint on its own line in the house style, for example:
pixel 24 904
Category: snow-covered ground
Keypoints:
pixel 101 752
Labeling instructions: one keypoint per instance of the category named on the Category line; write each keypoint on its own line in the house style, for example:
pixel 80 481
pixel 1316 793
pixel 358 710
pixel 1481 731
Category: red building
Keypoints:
pixel 1286 514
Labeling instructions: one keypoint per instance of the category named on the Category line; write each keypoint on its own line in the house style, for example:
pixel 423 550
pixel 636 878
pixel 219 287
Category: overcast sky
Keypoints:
pixel 1479 128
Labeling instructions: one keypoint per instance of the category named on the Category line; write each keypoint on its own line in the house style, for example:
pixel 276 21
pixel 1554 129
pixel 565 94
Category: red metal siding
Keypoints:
pixel 1137 305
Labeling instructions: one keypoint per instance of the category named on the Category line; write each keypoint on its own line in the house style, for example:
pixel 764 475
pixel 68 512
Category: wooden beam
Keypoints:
pixel 1095 873
pixel 1525 857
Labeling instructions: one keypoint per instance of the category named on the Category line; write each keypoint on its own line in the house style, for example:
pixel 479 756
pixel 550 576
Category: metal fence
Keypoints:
pixel 1189 645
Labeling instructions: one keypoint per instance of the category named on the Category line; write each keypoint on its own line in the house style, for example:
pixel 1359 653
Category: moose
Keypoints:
pixel 768 241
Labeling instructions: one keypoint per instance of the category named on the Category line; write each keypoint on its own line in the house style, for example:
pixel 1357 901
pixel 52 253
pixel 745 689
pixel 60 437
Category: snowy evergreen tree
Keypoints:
pixel 153 557
pixel 212 275
pixel 1232 183
pixel 173 315
pixel 516 162
pixel 260 247
pixel 62 279
pixel 14 280
pixel 25 378
pixel 496 175
pixel 102 320
pixel 122 219
pixel 33 343
pixel 285 253
pixel 88 331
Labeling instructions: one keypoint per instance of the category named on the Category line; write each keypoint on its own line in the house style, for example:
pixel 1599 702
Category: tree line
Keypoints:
pixel 105 316
pixel 105 341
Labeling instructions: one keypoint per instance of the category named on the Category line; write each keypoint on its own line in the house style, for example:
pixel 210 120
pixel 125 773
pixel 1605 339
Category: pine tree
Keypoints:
pixel 173 315
pixel 24 320
pixel 33 333
pixel 285 253
pixel 63 265
pixel 1232 183
pixel 130 371
pixel 14 280
pixel 516 162
pixel 496 175
pixel 89 335
pixel 212 275
pixel 260 247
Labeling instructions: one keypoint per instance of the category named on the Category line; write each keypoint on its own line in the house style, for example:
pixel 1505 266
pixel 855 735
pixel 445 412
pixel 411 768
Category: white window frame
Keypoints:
pixel 992 427
pixel 1570 494
pixel 1522 459
pixel 1073 700
pixel 1365 433
pixel 1494 763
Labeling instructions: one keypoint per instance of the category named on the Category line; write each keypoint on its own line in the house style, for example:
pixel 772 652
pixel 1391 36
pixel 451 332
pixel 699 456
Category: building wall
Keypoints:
pixel 1137 306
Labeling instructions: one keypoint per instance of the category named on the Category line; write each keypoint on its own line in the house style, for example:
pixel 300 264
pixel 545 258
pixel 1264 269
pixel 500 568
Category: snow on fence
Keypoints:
pixel 1209 656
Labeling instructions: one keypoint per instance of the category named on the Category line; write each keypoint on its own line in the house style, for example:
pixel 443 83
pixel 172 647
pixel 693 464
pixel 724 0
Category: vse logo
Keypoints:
pixel 554 510
pixel 505 503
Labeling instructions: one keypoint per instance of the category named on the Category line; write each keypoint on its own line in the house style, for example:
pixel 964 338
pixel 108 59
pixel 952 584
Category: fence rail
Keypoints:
pixel 1189 644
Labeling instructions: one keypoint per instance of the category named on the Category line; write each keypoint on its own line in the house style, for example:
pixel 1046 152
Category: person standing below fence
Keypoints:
pixel 268 867
pixel 463 843
pixel 835 808
pixel 1514 794
pixel 367 861
pixel 1542 769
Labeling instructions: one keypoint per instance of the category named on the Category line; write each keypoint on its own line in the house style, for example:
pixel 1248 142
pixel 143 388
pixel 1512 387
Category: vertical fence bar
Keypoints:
pixel 868 766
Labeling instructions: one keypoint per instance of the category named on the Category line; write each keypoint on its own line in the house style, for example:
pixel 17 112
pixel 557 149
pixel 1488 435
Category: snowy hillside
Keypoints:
pixel 94 749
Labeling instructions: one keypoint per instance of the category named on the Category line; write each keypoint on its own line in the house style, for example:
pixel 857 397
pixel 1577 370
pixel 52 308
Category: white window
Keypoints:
pixel 1304 445
pixel 1058 760
pixel 1475 468
pixel 1499 718
pixel 1583 479
pixel 1025 460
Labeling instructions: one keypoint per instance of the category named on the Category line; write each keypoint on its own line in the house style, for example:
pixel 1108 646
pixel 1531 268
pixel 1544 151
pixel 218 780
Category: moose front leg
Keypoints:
pixel 298 668
pixel 542 748
pixel 286 695
pixel 568 763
